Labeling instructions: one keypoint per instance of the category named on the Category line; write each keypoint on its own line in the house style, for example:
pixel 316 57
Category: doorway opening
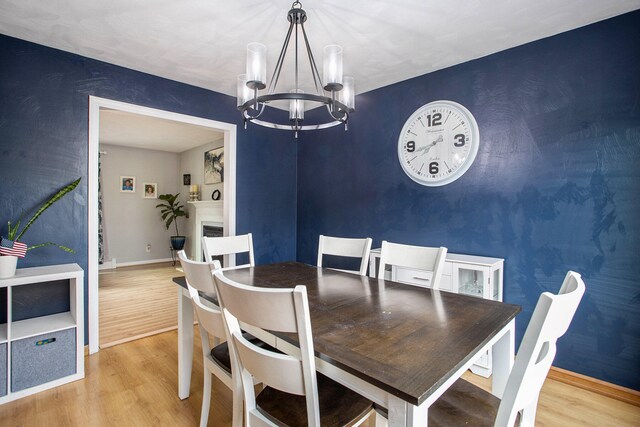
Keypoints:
pixel 101 105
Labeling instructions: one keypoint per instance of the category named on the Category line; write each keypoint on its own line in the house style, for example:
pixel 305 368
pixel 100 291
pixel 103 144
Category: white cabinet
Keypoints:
pixel 421 278
pixel 476 275
pixel 38 353
pixel 464 274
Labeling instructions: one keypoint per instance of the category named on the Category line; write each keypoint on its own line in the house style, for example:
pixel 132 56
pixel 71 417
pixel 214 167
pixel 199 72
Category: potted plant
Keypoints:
pixel 170 211
pixel 11 247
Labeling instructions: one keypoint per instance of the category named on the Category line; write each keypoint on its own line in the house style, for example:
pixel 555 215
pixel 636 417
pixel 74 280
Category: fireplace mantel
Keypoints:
pixel 206 213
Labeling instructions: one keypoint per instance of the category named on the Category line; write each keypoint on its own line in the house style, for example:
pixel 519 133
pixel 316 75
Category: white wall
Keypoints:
pixel 192 162
pixel 130 221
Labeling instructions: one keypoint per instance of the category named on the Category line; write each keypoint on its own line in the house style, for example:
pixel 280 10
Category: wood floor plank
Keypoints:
pixel 135 384
pixel 137 301
pixel 562 404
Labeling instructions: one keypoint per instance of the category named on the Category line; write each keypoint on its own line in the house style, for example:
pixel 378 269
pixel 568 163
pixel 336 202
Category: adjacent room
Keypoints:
pixel 156 157
pixel 324 213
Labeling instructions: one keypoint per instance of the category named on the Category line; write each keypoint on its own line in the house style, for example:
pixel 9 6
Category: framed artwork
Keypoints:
pixel 128 184
pixel 186 179
pixel 150 190
pixel 214 166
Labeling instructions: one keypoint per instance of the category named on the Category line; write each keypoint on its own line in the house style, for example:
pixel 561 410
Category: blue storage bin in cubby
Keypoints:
pixel 43 358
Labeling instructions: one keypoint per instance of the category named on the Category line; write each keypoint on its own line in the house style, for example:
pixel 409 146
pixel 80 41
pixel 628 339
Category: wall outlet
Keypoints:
pixel 148 247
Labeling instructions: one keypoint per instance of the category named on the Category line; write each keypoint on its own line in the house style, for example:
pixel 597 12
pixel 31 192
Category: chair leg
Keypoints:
pixel 528 414
pixel 371 416
pixel 380 420
pixel 238 409
pixel 206 398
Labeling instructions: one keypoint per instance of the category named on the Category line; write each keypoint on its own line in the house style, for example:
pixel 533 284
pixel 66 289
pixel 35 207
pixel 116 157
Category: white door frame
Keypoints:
pixel 229 209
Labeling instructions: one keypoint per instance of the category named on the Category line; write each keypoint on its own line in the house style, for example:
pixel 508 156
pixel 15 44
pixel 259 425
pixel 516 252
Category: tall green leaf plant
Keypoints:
pixel 171 210
pixel 14 234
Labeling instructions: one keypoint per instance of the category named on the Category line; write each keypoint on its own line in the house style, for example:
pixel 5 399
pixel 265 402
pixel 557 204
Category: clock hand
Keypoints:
pixel 440 139
pixel 426 148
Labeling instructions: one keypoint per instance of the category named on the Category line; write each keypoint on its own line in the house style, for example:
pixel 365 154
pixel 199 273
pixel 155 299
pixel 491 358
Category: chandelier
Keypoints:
pixel 333 91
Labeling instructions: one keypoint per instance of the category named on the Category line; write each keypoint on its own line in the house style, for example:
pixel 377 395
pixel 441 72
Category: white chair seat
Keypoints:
pixel 294 395
pixel 465 404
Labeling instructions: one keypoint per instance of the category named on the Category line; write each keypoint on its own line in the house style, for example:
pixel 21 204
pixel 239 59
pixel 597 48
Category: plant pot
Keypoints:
pixel 8 266
pixel 177 242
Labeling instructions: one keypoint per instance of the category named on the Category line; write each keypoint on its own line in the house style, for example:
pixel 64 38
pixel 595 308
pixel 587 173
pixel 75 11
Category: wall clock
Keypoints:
pixel 438 143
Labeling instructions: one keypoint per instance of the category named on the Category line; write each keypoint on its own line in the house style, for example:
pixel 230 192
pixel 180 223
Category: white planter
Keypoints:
pixel 8 266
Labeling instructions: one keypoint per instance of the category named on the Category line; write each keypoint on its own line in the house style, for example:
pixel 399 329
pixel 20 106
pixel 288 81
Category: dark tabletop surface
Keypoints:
pixel 404 339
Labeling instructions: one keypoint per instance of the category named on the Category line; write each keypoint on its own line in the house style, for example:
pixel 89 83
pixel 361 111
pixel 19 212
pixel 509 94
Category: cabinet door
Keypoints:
pixel 470 280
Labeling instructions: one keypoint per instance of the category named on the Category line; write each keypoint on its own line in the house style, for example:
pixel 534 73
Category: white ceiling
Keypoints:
pixel 151 133
pixel 203 42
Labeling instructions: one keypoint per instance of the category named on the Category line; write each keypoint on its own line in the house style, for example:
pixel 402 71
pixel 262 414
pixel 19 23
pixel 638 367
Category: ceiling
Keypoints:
pixel 203 42
pixel 152 133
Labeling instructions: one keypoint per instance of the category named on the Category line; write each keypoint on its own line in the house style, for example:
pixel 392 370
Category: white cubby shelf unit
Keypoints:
pixel 43 352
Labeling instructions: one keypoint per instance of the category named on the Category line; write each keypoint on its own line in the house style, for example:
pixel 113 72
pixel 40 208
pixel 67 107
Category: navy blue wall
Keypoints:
pixel 44 113
pixel 555 185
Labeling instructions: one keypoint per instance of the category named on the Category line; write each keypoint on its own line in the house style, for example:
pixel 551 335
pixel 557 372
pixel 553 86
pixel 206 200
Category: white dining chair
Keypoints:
pixel 345 247
pixel 413 257
pixel 294 394
pixel 216 358
pixel 467 404
pixel 229 245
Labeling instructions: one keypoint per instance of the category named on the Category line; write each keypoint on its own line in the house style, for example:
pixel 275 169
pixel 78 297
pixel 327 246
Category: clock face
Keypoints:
pixel 438 143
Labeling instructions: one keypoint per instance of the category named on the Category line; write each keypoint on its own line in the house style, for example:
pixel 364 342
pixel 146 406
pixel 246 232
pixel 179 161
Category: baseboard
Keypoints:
pixel 107 265
pixel 127 264
pixel 137 337
pixel 594 385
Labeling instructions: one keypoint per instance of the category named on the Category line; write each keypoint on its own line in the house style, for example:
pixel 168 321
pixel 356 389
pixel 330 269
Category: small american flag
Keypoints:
pixel 9 247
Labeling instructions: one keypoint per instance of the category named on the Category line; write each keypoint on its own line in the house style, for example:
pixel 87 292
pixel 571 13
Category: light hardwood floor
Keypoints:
pixel 135 384
pixel 137 301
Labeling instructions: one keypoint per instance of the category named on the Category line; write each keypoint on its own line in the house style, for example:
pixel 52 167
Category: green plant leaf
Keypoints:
pixel 12 230
pixel 64 248
pixel 171 210
pixel 48 204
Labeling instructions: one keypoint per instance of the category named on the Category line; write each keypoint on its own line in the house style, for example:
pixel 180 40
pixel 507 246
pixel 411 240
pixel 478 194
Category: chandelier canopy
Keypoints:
pixel 333 90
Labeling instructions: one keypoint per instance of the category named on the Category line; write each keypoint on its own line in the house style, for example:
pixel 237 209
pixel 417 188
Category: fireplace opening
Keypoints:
pixel 213 231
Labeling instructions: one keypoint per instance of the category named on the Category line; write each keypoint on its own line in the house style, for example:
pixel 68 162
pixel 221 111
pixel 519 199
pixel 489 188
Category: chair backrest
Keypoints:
pixel 346 247
pixel 550 320
pixel 415 257
pixel 229 245
pixel 278 310
pixel 199 277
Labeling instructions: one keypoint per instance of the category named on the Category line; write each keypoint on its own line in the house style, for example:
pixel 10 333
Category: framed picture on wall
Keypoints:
pixel 127 184
pixel 150 190
pixel 186 179
pixel 214 166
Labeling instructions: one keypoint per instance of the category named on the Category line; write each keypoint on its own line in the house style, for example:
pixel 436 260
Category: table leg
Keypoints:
pixel 397 412
pixel 185 343
pixel 503 353
pixel 417 415
pixel 402 414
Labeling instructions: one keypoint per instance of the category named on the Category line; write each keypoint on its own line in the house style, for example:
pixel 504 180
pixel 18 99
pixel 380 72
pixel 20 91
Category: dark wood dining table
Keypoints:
pixel 399 345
